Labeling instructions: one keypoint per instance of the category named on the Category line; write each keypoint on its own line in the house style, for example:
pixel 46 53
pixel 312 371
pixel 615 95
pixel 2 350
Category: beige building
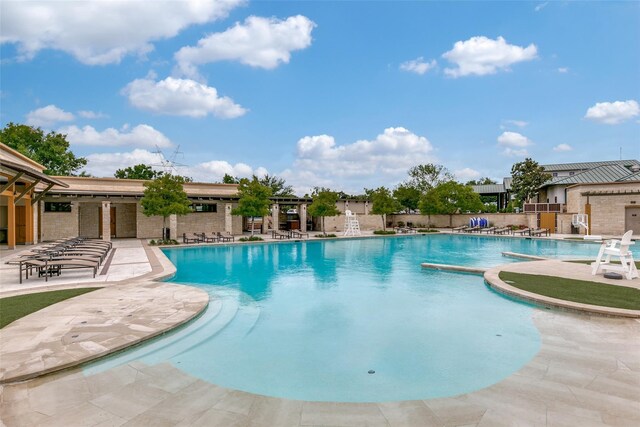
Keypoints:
pixel 22 185
pixel 613 208
pixel 110 208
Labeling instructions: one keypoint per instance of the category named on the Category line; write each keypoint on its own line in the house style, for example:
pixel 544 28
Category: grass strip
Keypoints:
pixel 575 290
pixel 13 308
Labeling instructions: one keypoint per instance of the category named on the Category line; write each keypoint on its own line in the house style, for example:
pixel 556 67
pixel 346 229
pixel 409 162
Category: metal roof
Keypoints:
pixel 507 183
pixel 588 165
pixel 30 172
pixel 488 188
pixel 632 177
pixel 604 173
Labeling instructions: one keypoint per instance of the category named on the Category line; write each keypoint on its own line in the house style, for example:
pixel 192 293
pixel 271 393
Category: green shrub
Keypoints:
pixel 400 223
pixel 427 230
pixel 324 236
pixel 160 242
pixel 384 232
pixel 251 239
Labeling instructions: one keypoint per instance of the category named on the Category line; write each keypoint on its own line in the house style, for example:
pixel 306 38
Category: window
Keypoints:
pixel 204 207
pixel 57 206
pixel 571 173
pixel 555 174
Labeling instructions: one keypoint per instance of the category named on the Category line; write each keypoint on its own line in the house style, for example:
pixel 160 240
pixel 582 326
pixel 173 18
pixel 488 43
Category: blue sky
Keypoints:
pixel 326 93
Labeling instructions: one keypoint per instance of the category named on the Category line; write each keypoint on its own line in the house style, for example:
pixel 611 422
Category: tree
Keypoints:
pixel 383 204
pixel 277 185
pixel 324 204
pixel 528 176
pixel 407 196
pixel 140 171
pixel 50 150
pixel 481 181
pixel 425 177
pixel 254 199
pixel 165 196
pixel 228 179
pixel 450 197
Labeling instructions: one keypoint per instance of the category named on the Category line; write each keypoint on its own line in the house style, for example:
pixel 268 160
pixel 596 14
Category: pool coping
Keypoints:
pixel 493 280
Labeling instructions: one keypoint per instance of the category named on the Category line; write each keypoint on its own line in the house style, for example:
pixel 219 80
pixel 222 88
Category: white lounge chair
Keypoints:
pixel 618 249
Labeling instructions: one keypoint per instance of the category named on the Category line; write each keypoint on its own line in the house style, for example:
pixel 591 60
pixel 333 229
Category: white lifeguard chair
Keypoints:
pixel 351 224
pixel 617 249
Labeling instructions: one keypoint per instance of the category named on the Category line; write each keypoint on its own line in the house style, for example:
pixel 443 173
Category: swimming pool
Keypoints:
pixel 310 320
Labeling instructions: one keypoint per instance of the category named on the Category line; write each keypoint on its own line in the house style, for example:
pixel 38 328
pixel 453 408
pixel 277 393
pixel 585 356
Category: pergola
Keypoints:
pixel 20 179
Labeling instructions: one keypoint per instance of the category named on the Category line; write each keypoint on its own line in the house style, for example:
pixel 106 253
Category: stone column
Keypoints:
pixel 11 219
pixel 302 212
pixel 275 218
pixel 228 218
pixel 173 226
pixel 106 221
pixel 28 220
pixel 36 215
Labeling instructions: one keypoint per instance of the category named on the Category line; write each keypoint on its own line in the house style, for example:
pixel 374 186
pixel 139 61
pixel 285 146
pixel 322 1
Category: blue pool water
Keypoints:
pixel 308 320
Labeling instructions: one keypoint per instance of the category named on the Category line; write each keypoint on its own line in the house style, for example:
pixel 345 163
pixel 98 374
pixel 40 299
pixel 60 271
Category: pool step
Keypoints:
pixel 221 311
pixel 523 256
pixel 454 268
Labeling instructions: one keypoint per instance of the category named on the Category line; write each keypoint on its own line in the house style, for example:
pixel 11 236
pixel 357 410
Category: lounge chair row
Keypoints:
pixel 51 258
pixel 534 232
pixel 405 230
pixel 207 238
pixel 288 234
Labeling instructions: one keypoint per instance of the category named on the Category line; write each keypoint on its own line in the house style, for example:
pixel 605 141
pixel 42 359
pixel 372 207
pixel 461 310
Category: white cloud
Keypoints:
pixel 258 42
pixel 563 70
pixel 180 97
pixel 87 114
pixel 512 152
pixel 106 164
pixel 518 123
pixel 481 55
pixel 513 139
pixel 466 174
pixel 418 66
pixel 562 147
pixel 514 144
pixel 102 32
pixel 139 136
pixel 541 6
pixel 48 116
pixel 612 113
pixel 214 171
pixel 381 161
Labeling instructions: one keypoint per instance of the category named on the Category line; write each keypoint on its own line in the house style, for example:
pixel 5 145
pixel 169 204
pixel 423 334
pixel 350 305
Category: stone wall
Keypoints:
pixel 374 222
pixel 607 208
pixel 89 220
pixel 148 227
pixel 58 225
pixel 125 219
pixel 443 221
pixel 199 222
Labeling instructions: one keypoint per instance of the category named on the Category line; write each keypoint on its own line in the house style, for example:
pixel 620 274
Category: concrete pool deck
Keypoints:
pixel 586 373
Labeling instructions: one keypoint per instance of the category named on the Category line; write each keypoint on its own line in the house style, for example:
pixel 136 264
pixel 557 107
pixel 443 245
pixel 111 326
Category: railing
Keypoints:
pixel 542 207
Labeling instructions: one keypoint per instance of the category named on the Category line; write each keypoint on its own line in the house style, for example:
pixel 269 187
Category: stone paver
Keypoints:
pixel 100 322
pixel 575 379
